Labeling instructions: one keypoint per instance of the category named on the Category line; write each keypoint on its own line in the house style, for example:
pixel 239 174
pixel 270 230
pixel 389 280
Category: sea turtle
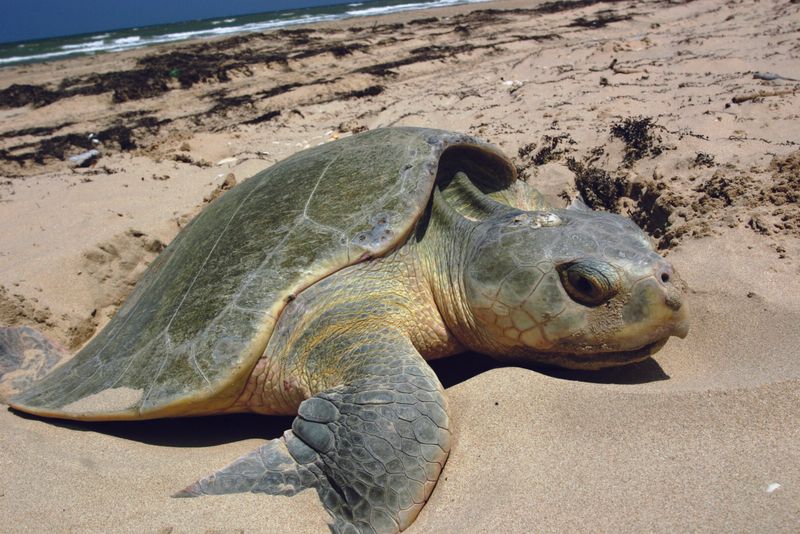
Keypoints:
pixel 320 286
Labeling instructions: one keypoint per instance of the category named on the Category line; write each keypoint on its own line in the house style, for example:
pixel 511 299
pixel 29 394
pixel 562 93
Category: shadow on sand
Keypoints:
pixel 216 430
pixel 452 371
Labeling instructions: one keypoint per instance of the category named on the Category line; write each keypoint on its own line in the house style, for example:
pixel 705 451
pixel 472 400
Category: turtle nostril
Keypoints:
pixel 665 273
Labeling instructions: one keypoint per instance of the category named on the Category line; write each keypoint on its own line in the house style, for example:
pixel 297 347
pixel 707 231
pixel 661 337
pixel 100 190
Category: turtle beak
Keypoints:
pixel 674 300
pixel 681 329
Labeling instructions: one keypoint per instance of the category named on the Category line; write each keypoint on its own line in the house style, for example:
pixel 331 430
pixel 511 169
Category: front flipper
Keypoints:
pixel 373 448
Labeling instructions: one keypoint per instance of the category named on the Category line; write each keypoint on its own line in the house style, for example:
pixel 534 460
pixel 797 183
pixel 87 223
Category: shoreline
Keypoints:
pixel 387 18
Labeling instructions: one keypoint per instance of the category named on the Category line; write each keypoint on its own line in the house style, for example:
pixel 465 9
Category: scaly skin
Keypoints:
pixel 357 302
pixel 502 285
pixel 373 447
pixel 372 432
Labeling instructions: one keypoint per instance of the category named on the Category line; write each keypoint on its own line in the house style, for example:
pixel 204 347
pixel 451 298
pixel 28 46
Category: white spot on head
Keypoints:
pixel 547 219
pixel 537 219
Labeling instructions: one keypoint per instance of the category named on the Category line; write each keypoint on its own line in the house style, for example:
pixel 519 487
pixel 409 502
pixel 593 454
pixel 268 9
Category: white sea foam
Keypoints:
pixel 127 40
pixel 35 57
pixel 385 10
pixel 88 46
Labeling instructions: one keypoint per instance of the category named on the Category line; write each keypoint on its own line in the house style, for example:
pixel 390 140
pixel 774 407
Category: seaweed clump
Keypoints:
pixel 648 203
pixel 20 95
pixel 552 149
pixel 120 136
pixel 603 18
pixel 640 141
pixel 599 189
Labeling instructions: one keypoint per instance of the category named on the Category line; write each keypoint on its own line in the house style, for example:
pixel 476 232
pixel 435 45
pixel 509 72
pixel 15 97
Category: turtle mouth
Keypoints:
pixel 599 360
pixel 612 358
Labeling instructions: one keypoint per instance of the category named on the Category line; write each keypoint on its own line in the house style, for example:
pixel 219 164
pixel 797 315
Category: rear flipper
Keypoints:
pixel 373 450
pixel 25 356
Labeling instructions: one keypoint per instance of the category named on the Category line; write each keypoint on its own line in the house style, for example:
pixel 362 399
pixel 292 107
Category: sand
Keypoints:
pixel 658 110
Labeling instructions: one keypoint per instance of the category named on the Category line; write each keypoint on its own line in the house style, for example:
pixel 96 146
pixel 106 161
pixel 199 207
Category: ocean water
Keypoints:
pixel 127 39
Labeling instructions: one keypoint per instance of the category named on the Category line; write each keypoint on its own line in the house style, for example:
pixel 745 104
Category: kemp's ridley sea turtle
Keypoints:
pixel 320 286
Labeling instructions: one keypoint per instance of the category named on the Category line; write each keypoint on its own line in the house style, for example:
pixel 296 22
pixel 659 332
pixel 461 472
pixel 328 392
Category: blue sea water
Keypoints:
pixel 127 39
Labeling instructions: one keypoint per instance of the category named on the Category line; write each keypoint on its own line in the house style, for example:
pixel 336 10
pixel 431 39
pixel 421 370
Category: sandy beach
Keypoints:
pixel 683 116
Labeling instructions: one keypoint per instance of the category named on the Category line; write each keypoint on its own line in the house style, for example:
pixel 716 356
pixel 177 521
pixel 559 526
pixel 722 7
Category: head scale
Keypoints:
pixel 569 287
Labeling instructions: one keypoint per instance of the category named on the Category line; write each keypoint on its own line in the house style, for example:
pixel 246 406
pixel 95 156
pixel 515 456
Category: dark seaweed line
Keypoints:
pixel 195 63
pixel 202 62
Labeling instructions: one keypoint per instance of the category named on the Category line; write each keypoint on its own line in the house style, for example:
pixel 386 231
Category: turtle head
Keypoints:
pixel 569 287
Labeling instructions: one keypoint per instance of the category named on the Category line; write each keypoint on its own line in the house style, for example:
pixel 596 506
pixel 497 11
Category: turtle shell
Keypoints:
pixel 188 336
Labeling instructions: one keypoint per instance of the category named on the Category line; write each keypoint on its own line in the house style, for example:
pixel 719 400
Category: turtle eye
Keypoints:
pixel 589 282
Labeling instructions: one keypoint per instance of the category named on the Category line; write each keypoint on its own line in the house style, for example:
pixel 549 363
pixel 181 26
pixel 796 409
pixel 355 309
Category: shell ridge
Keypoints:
pixel 331 229
pixel 261 266
pixel 193 359
pixel 319 180
pixel 305 215
pixel 189 289
pixel 208 256
pixel 131 360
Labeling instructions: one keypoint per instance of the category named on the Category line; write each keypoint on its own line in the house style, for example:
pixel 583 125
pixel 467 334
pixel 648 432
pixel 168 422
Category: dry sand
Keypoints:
pixel 649 108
